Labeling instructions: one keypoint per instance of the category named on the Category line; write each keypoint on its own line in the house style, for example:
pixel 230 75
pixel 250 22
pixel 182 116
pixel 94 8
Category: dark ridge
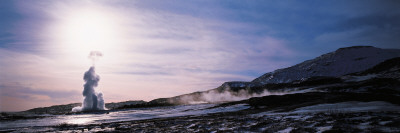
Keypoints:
pixel 17 116
pixel 318 80
pixel 161 102
pixel 292 101
pixel 56 109
pixel 354 47
pixel 381 67
pixel 374 85
pixel 312 81
pixel 120 104
pixel 67 108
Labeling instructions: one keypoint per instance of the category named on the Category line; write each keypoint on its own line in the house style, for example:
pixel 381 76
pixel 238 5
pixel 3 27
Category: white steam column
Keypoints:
pixel 92 100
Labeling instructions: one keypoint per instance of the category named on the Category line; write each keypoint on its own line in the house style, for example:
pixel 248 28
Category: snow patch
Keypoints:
pixel 359 78
pixel 323 129
pixel 287 130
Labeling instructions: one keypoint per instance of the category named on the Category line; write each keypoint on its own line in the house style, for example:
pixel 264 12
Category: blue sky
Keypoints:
pixel 156 49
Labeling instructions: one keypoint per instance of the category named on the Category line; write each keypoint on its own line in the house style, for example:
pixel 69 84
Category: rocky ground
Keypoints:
pixel 302 112
pixel 252 120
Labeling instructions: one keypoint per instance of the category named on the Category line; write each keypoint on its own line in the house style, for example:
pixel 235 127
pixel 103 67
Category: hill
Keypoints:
pixel 326 69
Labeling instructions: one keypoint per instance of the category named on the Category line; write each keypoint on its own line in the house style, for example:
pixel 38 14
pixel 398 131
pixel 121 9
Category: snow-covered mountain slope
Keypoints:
pixel 340 62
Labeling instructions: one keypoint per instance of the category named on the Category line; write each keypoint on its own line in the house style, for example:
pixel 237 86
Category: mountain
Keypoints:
pixel 323 70
pixel 340 62
pixel 379 83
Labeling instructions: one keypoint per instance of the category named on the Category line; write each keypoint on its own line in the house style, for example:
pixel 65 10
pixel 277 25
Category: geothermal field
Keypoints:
pixel 347 100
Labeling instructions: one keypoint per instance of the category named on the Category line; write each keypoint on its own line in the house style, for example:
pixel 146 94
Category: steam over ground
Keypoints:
pixel 227 95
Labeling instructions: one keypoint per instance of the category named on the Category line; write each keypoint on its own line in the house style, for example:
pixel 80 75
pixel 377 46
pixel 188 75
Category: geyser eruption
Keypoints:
pixel 92 100
pixel 94 56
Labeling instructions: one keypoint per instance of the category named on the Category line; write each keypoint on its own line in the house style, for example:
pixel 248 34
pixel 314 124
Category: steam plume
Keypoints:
pixel 92 99
pixel 216 96
pixel 94 56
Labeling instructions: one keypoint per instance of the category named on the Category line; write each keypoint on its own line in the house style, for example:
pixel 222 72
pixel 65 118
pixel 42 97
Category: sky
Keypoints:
pixel 155 48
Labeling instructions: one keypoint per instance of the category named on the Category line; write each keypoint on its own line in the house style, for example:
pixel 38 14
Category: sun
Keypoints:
pixel 78 31
pixel 88 30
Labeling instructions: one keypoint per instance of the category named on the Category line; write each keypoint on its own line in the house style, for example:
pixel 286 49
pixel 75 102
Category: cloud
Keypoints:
pixel 376 30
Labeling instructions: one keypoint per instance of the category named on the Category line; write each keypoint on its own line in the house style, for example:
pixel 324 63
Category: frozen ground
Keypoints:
pixel 117 116
pixel 375 116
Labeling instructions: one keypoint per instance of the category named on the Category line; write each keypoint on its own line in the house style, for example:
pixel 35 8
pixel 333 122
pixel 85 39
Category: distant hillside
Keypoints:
pixel 325 69
pixel 63 109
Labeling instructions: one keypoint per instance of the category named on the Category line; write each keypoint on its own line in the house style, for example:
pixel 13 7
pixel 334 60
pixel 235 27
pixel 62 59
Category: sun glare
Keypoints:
pixel 88 30
pixel 78 32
